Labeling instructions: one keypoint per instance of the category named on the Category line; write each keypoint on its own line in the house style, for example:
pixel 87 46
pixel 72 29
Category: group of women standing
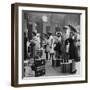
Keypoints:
pixel 57 46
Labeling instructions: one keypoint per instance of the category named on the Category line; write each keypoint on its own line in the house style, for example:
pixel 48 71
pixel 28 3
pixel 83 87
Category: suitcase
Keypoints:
pixel 56 63
pixel 65 67
pixel 40 70
pixel 40 73
pixel 68 67
pixel 39 67
pixel 39 62
pixel 38 53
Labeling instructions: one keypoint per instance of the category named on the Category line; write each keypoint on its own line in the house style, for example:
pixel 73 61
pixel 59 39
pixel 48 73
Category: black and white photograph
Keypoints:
pixel 50 44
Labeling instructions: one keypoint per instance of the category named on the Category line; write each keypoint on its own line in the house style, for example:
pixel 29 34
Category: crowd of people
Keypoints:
pixel 63 45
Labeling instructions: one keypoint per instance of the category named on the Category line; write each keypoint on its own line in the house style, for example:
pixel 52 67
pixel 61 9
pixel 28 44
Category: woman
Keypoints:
pixel 47 48
pixel 70 48
pixel 58 47
pixel 52 52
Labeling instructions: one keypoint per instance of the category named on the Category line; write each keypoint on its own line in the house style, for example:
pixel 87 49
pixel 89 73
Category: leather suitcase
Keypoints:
pixel 39 67
pixel 68 67
pixel 40 73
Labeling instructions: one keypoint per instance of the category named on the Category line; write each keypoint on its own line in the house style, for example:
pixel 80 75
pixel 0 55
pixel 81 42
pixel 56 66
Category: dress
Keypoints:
pixel 58 47
pixel 51 44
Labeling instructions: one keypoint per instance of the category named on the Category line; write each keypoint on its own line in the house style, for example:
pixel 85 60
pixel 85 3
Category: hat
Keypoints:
pixel 66 27
pixel 71 27
pixel 34 32
pixel 49 31
pixel 58 33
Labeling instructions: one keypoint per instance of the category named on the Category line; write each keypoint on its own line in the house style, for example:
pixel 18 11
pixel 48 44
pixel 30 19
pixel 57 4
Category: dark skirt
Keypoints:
pixel 58 50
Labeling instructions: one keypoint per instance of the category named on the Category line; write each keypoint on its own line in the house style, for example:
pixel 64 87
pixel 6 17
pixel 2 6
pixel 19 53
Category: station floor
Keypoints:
pixel 56 71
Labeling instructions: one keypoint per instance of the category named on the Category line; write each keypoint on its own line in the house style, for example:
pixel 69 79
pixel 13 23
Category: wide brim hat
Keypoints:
pixel 71 27
pixel 66 27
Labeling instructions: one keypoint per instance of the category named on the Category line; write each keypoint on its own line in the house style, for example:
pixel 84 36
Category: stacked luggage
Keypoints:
pixel 35 66
pixel 39 63
pixel 39 67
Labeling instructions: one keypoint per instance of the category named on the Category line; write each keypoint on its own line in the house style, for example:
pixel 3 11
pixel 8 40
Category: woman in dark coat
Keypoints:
pixel 72 48
pixel 58 47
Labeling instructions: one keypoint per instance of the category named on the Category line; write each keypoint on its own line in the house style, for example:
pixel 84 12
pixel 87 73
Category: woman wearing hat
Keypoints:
pixel 71 39
pixel 70 48
pixel 33 43
pixel 58 42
